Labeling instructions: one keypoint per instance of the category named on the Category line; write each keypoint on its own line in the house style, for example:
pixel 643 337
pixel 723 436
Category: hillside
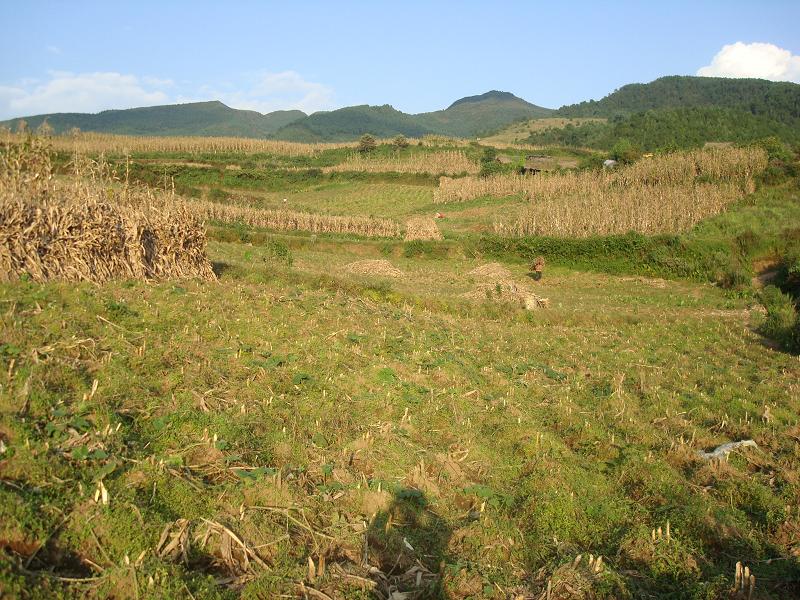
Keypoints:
pixel 197 118
pixel 467 117
pixel 776 100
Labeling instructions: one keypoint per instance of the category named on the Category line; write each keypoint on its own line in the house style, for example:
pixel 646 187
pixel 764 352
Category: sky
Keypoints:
pixel 87 56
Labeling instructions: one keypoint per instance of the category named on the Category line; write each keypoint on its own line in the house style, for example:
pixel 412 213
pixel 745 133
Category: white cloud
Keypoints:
pixel 267 92
pixel 53 49
pixel 764 61
pixel 70 92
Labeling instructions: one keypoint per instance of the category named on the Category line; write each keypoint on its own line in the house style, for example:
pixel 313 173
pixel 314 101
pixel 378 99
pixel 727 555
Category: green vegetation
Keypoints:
pixel 779 101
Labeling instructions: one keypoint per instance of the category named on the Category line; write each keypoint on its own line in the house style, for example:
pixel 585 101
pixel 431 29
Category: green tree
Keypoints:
pixel 367 143
pixel 625 151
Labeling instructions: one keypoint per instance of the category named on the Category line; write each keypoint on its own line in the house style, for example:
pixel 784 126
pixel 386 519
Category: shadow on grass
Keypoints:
pixel 408 542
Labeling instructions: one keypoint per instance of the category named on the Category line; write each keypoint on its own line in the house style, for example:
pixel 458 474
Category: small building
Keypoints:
pixel 536 163
pixel 717 145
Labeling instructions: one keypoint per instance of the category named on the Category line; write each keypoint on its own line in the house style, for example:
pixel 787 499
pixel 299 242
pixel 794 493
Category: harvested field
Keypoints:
pixel 88 230
pixel 422 228
pixel 490 271
pixel 381 268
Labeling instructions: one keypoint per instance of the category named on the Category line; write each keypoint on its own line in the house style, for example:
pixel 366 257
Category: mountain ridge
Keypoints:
pixel 466 117
pixel 470 116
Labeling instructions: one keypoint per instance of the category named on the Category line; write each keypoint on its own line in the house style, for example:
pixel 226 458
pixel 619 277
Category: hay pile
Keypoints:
pixel 495 283
pixel 90 228
pixel 381 268
pixel 422 228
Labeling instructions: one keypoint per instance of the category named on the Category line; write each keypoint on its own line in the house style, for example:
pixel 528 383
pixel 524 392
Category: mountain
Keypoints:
pixel 776 100
pixel 464 118
pixel 195 118
pixel 468 117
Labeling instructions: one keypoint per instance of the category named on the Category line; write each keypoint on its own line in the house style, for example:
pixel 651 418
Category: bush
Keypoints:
pixel 277 251
pixel 781 323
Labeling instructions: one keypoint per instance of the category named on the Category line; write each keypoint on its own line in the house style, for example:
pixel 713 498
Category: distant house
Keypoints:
pixel 536 163
pixel 609 163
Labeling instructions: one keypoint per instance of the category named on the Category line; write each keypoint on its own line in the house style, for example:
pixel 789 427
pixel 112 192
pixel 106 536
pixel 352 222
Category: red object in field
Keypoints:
pixel 439 215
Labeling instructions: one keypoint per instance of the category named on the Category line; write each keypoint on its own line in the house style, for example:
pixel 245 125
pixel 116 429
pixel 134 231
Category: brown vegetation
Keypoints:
pixel 451 162
pixel 88 227
pixel 96 143
pixel 287 220
pixel 382 268
pixel 662 194
pixel 422 228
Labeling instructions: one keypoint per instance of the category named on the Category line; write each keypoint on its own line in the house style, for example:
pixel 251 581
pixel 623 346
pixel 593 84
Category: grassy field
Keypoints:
pixel 311 425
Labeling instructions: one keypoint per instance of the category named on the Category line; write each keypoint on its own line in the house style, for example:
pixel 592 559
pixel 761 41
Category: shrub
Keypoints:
pixel 278 252
pixel 781 323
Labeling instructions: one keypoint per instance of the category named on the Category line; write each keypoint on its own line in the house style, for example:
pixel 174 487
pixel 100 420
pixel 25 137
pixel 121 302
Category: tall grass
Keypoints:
pixel 452 162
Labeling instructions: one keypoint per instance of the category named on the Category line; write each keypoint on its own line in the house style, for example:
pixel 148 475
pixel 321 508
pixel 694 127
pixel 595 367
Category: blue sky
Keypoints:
pixel 417 56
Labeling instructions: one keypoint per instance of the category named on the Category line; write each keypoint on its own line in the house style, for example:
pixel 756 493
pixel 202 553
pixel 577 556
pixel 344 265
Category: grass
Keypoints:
pixel 607 393
pixel 518 132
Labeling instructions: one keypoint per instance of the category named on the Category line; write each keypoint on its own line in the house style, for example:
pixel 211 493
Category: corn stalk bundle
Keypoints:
pixel 85 229
pixel 422 228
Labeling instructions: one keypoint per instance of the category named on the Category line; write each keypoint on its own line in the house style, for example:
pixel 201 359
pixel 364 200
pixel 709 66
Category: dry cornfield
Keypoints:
pixel 728 164
pixel 106 143
pixel 451 162
pixel 86 228
pixel 649 210
pixel 286 220
pixel 657 195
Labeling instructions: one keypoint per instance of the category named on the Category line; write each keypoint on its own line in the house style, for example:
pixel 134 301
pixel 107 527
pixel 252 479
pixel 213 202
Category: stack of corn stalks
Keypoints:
pixel 89 227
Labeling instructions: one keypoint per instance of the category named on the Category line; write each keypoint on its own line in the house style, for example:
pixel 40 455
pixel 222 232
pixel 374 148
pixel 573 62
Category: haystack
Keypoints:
pixel 380 268
pixel 496 284
pixel 422 228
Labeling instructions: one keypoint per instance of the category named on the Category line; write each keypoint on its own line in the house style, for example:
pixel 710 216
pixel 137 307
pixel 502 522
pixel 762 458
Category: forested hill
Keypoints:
pixel 196 118
pixel 468 117
pixel 779 101
pixel 672 128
